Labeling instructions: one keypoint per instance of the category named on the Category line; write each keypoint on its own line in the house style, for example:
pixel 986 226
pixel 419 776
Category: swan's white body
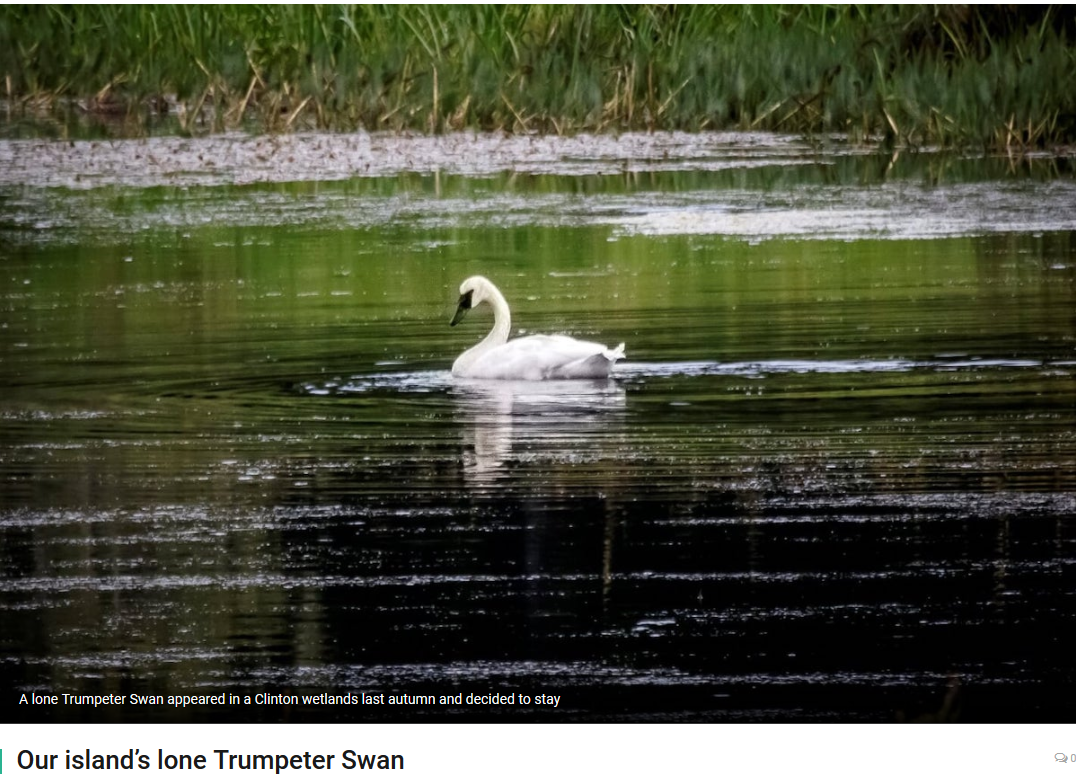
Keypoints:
pixel 530 357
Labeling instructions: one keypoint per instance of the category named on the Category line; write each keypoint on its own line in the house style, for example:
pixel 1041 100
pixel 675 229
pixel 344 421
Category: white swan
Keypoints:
pixel 530 357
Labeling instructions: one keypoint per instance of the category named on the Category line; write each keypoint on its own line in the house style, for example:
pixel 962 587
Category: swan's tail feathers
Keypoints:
pixel 614 354
pixel 595 366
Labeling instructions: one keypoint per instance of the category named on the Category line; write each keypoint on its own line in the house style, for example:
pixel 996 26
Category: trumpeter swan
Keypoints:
pixel 530 357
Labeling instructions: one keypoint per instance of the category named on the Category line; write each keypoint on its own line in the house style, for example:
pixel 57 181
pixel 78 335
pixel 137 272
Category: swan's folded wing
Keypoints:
pixel 547 357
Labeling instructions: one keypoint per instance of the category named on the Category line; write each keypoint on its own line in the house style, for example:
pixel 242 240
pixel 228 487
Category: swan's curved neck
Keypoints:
pixel 502 319
pixel 502 326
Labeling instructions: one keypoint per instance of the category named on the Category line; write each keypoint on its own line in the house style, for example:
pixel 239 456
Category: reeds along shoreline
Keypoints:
pixel 992 76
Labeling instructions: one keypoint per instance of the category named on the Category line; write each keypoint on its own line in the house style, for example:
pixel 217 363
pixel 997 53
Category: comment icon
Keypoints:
pixel 1061 758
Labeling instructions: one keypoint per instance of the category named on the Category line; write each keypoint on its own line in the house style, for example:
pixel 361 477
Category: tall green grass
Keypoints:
pixel 953 75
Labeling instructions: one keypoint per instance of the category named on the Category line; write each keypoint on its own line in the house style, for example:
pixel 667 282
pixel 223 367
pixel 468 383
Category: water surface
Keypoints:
pixel 834 480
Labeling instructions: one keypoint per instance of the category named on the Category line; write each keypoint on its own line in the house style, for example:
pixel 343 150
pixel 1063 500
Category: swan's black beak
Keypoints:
pixel 462 308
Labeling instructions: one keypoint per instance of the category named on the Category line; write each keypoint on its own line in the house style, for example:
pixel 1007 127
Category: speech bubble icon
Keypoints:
pixel 1061 758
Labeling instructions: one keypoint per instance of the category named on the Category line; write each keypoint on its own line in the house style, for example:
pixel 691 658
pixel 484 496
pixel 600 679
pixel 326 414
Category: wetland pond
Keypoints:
pixel 834 479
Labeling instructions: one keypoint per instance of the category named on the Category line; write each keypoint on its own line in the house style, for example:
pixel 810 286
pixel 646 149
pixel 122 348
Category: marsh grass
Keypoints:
pixel 996 76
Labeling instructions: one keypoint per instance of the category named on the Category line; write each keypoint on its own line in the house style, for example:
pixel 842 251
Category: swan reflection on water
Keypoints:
pixel 503 422
pixel 550 422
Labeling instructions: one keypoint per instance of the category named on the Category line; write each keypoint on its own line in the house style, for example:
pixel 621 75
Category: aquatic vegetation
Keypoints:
pixel 994 76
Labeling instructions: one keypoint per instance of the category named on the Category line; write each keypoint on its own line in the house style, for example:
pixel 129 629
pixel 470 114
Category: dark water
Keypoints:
pixel 835 479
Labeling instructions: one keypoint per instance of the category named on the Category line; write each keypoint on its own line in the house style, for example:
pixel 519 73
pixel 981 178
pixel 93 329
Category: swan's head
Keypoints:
pixel 473 291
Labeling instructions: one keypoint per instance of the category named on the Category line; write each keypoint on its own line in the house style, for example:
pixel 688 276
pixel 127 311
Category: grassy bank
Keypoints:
pixel 994 76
